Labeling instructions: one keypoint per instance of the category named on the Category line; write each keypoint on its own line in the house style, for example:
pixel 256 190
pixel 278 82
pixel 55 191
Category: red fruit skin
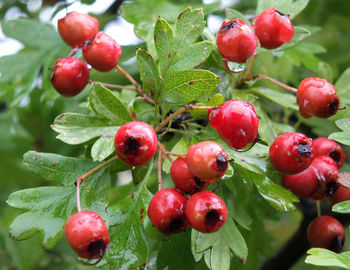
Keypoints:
pixel 236 41
pixel 197 208
pixel 237 123
pixel 324 146
pixel 102 52
pixel 135 143
pixel 69 76
pixel 323 230
pixel 166 211
pixel 202 160
pixel 317 97
pixel 285 156
pixel 75 28
pixel 83 229
pixel 273 28
pixel 183 179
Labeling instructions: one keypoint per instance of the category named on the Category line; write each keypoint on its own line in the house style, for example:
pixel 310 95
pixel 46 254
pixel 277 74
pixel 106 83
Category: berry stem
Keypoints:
pixel 78 195
pixel 160 182
pixel 116 86
pixel 180 111
pixel 71 52
pixel 250 67
pixel 165 151
pixel 318 207
pixel 260 76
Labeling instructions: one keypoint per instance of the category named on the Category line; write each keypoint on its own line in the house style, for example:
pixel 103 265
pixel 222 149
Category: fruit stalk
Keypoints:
pixel 285 86
pixel 160 182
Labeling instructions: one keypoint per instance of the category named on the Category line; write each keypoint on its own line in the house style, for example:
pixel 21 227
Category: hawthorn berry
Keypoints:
pixel 342 194
pixel 324 146
pixel 183 179
pixel 303 184
pixel 317 97
pixel 236 122
pixel 102 52
pixel 326 232
pixel 206 212
pixel 273 28
pixel 291 153
pixel 75 28
pixel 236 41
pixel 69 76
pixel 87 234
pixel 166 211
pixel 135 143
pixel 207 160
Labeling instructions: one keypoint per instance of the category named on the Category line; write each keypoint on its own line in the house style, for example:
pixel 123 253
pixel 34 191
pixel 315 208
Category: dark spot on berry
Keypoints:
pixel 228 26
pixel 131 147
pixel 199 183
pixel 331 188
pixel 176 224
pixel 304 150
pixel 335 155
pixel 97 249
pixel 337 244
pixel 333 107
pixel 212 218
pixel 221 162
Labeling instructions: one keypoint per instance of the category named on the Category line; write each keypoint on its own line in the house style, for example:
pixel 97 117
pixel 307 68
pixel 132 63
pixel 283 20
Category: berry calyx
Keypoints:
pixel 75 28
pixel 87 234
pixel 326 232
pixel 135 143
pixel 166 211
pixel 291 153
pixel 207 160
pixel 237 123
pixel 102 52
pixel 236 41
pixel 69 76
pixel 342 194
pixel 183 179
pixel 206 212
pixel 317 97
pixel 324 146
pixel 273 28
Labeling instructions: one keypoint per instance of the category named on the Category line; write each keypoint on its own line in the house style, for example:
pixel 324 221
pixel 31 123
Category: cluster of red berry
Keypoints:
pixel 70 75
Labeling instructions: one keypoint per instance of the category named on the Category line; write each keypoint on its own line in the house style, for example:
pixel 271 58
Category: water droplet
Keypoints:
pixel 234 67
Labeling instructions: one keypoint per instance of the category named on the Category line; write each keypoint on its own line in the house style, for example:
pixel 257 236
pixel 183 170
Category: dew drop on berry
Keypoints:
pixel 234 67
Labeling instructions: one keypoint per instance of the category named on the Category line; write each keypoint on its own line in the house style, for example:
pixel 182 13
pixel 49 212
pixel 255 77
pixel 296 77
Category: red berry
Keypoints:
pixel 324 146
pixel 75 28
pixel 183 179
pixel 303 184
pixel 290 153
pixel 342 194
pixel 206 212
pixel 87 234
pixel 69 76
pixel 236 41
pixel 317 97
pixel 273 28
pixel 326 232
pixel 207 160
pixel 166 211
pixel 237 123
pixel 102 52
pixel 135 143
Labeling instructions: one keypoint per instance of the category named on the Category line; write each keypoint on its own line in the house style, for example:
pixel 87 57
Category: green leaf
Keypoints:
pixel 183 87
pixel 281 98
pixel 343 87
pixel 300 33
pixel 130 248
pixel 49 207
pixel 290 7
pixel 149 73
pixel 76 128
pixel 325 257
pixel 342 137
pixel 180 148
pixel 106 105
pixel 342 207
pixel 104 146
pixel 235 14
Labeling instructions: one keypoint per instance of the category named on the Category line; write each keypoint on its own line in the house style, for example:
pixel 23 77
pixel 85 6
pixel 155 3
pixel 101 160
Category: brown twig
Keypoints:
pixel 285 86
pixel 250 66
pixel 116 86
pixel 160 182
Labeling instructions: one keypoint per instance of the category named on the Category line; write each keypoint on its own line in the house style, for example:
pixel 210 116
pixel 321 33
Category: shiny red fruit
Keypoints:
pixel 237 123
pixel 135 143
pixel 75 28
pixel 236 41
pixel 69 76
pixel 183 179
pixel 87 234
pixel 326 232
pixel 303 184
pixel 166 211
pixel 317 97
pixel 342 194
pixel 207 160
pixel 291 153
pixel 206 212
pixel 324 146
pixel 102 52
pixel 273 28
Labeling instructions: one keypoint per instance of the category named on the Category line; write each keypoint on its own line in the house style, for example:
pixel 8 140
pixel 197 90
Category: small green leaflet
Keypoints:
pixel 290 7
pixel 344 136
pixel 325 257
pixel 49 207
pixel 281 98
